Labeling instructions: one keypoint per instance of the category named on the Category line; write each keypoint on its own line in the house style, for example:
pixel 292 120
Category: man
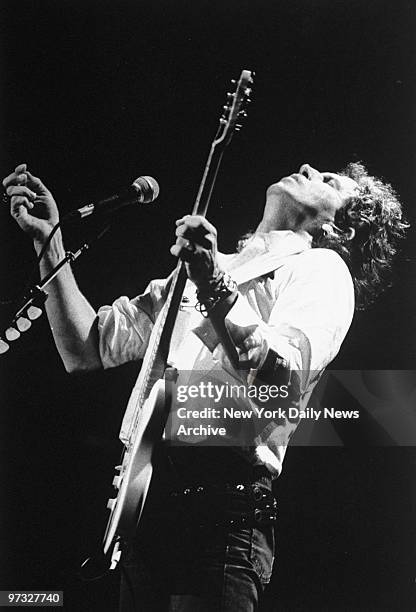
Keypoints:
pixel 276 312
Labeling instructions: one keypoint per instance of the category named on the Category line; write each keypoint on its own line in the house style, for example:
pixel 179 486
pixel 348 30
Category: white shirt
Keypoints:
pixel 304 312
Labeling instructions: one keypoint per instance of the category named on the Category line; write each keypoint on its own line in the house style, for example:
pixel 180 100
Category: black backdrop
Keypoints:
pixel 96 93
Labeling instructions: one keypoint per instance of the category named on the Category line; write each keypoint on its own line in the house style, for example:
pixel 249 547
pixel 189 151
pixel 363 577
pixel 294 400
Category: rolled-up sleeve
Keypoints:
pixel 125 326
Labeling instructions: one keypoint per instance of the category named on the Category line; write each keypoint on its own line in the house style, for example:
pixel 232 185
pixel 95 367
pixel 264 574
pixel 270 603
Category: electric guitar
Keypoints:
pixel 149 401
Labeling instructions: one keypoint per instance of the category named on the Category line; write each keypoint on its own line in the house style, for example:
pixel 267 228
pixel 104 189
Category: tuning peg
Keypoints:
pixel 4 347
pixel 33 313
pixel 226 108
pixel 223 121
pixel 23 324
pixel 117 481
pixel 242 113
pixel 111 504
pixel 233 81
pixel 12 334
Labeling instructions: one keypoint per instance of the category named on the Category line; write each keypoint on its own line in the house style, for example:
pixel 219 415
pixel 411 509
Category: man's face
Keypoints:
pixel 316 195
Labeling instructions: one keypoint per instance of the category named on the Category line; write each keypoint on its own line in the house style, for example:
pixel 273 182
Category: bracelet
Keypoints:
pixel 273 364
pixel 220 288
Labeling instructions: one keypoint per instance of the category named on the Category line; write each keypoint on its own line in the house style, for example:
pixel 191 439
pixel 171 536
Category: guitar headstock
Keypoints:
pixel 234 110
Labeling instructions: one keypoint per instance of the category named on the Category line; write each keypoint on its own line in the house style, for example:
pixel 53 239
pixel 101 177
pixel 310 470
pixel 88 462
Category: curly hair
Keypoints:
pixel 375 215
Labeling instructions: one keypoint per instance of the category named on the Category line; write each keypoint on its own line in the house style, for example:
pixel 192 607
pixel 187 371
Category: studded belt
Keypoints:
pixel 229 504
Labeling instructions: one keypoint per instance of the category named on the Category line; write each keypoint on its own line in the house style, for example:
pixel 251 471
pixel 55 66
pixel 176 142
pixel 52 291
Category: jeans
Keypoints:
pixel 187 556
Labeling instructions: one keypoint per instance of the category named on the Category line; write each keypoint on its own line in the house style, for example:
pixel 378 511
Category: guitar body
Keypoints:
pixel 149 403
pixel 133 476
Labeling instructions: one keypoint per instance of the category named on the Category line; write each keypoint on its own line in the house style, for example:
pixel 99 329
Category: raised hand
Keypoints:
pixel 31 203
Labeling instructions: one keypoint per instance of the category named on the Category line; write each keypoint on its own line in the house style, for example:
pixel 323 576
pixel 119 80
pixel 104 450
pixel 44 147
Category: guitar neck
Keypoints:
pixel 158 350
pixel 177 287
pixel 208 180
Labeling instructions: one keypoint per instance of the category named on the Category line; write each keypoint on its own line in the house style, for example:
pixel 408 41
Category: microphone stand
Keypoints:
pixel 37 296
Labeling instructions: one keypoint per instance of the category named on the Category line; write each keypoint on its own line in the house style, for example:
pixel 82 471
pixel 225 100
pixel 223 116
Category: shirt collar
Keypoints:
pixel 281 240
pixel 264 252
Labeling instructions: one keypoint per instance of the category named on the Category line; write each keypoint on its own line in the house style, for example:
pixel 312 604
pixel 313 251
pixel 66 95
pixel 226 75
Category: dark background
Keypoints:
pixel 96 93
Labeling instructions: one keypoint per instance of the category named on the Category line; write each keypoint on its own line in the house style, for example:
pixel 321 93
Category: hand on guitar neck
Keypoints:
pixel 196 245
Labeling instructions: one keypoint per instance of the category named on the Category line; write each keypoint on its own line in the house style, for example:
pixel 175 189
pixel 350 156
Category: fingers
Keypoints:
pixel 19 202
pixel 188 234
pixel 252 350
pixel 20 194
pixel 21 197
pixel 197 230
pixel 21 176
pixel 31 203
pixel 21 214
pixel 193 232
pixel 18 177
pixel 183 249
pixel 35 183
pixel 249 342
pixel 197 224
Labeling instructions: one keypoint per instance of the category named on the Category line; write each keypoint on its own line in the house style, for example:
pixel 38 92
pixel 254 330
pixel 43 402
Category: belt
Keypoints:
pixel 229 504
pixel 254 489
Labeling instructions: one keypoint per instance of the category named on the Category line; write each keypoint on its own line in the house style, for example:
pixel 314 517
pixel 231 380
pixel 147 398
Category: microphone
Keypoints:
pixel 143 190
